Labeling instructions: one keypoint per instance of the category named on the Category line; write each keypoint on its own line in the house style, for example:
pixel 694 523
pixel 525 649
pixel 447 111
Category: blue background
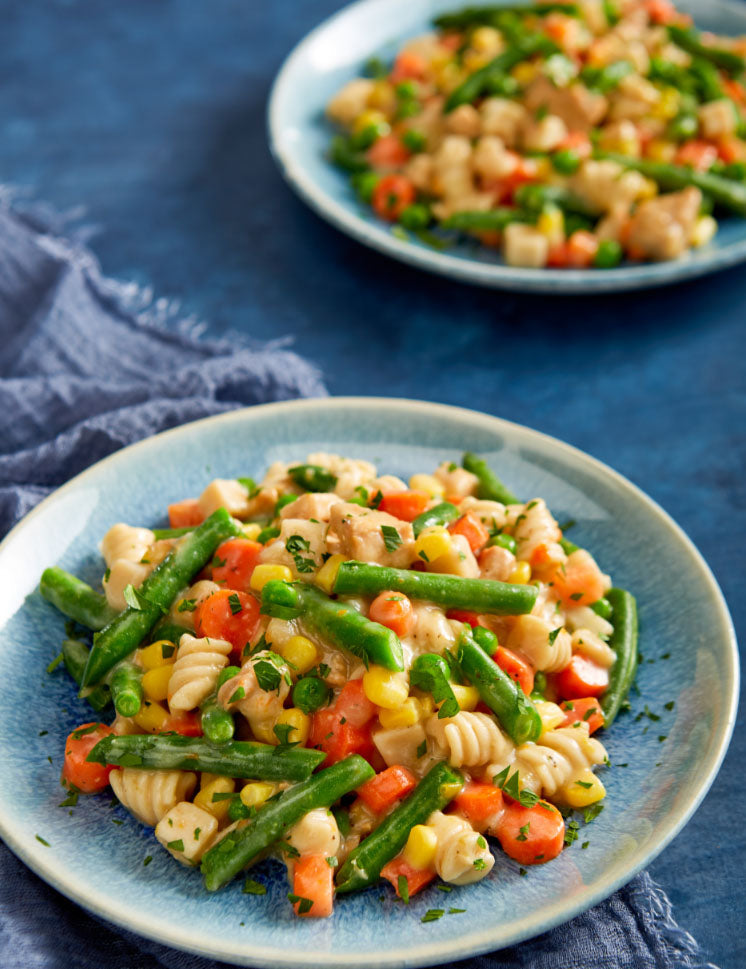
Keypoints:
pixel 151 115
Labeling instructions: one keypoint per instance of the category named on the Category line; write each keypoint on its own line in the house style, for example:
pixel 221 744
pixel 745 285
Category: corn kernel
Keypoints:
pixel 382 96
pixel 551 715
pixel 161 653
pixel 421 846
pixel 551 223
pixel 206 778
pixel 584 790
pixel 704 229
pixel 256 793
pixel 152 717
pixel 524 73
pixel 386 688
pixel 427 483
pixel 487 40
pixel 521 573
pixel 660 150
pixel 667 106
pixel 264 733
pixel 251 530
pixel 426 705
pixel 327 574
pixel 407 715
pixel 432 543
pixel 467 696
pixel 155 683
pixel 368 118
pixel 300 723
pixel 299 652
pixel 648 189
pixel 265 573
pixel 216 785
pixel 449 76
pixel 474 59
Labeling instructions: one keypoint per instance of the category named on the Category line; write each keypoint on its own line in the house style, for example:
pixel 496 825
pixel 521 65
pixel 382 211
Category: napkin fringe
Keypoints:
pixel 684 949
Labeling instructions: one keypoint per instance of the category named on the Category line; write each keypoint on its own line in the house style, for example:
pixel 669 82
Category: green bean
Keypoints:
pixel 708 79
pixel 606 78
pixel 75 598
pixel 75 656
pixel 127 630
pixel 168 630
pixel 271 531
pixel 602 608
pixel 440 514
pixel 624 643
pixel 313 477
pixel 476 83
pixel 452 591
pixel 731 195
pixel 430 673
pixel 689 40
pixel 310 694
pixel 334 622
pixel 490 486
pixel 243 845
pixel 166 533
pixel 363 865
pixel 343 155
pixel 515 711
pixel 237 758
pixel 536 197
pixel 126 689
pixel 493 220
pixel 474 16
pixel 673 74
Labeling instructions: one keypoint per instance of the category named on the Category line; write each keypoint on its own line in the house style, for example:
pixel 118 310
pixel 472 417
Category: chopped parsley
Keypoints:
pixel 235 603
pixel 554 634
pixel 55 663
pixel 479 864
pixel 433 914
pixel 42 841
pixel 304 904
pixel 71 800
pixel 670 705
pixel 187 605
pixel 167 650
pixel 523 832
pixel 571 832
pixel 282 731
pixel 146 860
pixel 402 887
pixel 592 812
pixel 294 546
pixel 177 845
pixel 391 537
pixel 82 731
pixel 269 672
pixel 251 887
pixel 130 597
pixel 456 911
pixel 238 694
pixel 197 833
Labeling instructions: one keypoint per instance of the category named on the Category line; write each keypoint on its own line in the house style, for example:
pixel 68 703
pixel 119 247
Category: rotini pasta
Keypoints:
pixel 462 855
pixel 558 757
pixel 547 647
pixel 149 794
pixel 588 644
pixel 469 739
pixel 195 672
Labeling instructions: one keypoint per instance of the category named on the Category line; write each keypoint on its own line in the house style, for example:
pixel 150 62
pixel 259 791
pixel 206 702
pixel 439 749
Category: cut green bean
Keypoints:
pixel 536 197
pixel 313 477
pixel 477 83
pixel 363 865
pixel 624 643
pixel 493 220
pixel 75 656
pixel 237 758
pixel 490 486
pixel 164 533
pixel 689 40
pixel 474 16
pixel 440 514
pixel 75 598
pixel 334 622
pixel 430 673
pixel 126 689
pixel 127 630
pixel 242 846
pixel 452 591
pixel 515 711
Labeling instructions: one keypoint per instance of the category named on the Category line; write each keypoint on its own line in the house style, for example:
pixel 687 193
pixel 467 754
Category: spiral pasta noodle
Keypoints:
pixel 559 757
pixel 469 738
pixel 589 644
pixel 195 672
pixel 315 833
pixel 462 855
pixel 126 542
pixel 548 649
pixel 149 794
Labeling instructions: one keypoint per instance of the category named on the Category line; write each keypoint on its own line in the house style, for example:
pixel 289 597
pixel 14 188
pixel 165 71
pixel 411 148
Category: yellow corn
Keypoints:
pixel 385 688
pixel 704 229
pixel 367 118
pixel 327 574
pixel 382 96
pixel 551 223
pixel 251 530
pixel 264 573
pixel 151 718
pixel 467 696
pixel 661 150
pixel 256 793
pixel 667 106
pixel 216 784
pixel 161 653
pixel 426 705
pixel 428 484
pixel 421 846
pixel 487 40
pixel 474 59
pixel 300 723
pixel 449 76
pixel 648 190
pixel 551 715
pixel 206 778
pixel 407 715
pixel 433 543
pixel 155 683
pixel 584 790
pixel 299 652
pixel 264 733
pixel 524 73
pixel 521 573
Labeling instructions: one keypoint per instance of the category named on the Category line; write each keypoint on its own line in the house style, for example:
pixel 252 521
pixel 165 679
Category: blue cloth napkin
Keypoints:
pixel 88 365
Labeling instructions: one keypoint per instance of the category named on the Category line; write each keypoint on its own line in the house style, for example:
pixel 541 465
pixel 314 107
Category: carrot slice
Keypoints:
pixel 388 787
pixel 393 610
pixel 313 879
pixel 406 505
pixel 531 835
pixel 234 563
pixel 185 514
pixel 475 533
pixel 516 667
pixel 581 678
pixel 481 804
pixel 585 709
pixel 578 581
pixel 416 878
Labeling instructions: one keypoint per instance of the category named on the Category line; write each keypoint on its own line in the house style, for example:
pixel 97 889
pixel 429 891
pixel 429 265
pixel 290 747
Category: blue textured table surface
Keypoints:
pixel 151 115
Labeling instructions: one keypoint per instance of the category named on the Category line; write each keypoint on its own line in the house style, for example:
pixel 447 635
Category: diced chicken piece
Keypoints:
pixel 357 533
pixel 120 574
pixel 419 170
pixel 181 612
pixel 578 107
pixel 612 48
pixel 544 134
pixel 464 120
pixel 674 54
pixel 535 527
pixel 496 563
pixel 311 505
pixel 247 695
pixel 633 98
pixel 276 482
pixel 186 832
pixel 468 202
pixel 458 561
pixel 306 541
pixel 593 13
pixel 351 473
pixel 429 122
pixel 717 119
pixel 225 493
pixel 503 118
pixel 351 101
pixel 126 542
pixel 620 136
pixel 456 481
pixel 612 224
pixel 493 514
pixel 604 185
pixel 387 484
pixel 492 159
pixel 432 632
pixel 452 172
pixel 525 246
pixel 400 745
pixel 661 227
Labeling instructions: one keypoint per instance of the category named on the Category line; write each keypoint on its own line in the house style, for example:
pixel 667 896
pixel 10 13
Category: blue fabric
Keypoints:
pixel 85 371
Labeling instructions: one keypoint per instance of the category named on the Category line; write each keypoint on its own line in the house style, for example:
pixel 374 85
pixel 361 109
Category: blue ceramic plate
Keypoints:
pixel 100 865
pixel 334 53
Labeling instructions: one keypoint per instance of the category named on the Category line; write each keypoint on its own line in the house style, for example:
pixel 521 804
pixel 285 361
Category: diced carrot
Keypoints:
pixel 473 530
pixel 406 505
pixel 451 41
pixel 185 514
pixel 229 615
pixel 464 615
pixel 391 196
pixel 540 557
pixel 354 705
pixel 454 499
pixel 480 804
pixel 188 724
pixel 731 149
pixel 408 64
pixel 416 878
pixel 387 152
pixel 386 788
pixel 578 581
pixel 558 256
pixel 344 728
pixel 234 563
pixel 661 11
pixel 313 879
pixel 735 90
pixel 582 247
pixel 393 610
pixel 585 709
pixel 697 154
pixel 531 835
pixel 516 667
pixel 76 770
pixel 577 141
pixel 581 678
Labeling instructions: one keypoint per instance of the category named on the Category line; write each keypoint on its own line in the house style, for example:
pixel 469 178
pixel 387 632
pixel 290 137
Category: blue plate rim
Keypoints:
pixel 463 945
pixel 496 276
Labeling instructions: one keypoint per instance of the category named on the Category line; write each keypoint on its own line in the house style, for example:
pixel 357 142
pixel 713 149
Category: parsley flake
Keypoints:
pixel 402 887
pixel 251 887
pixel 391 538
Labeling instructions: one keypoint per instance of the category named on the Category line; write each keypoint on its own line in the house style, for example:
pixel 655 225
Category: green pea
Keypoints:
pixel 735 171
pixel 310 693
pixel 416 216
pixel 602 608
pixel 683 127
pixel 608 255
pixel 566 161
pixel 364 183
pixel 503 85
pixel 408 109
pixel 504 541
pixel 369 135
pixel 413 140
pixel 375 67
pixel 406 90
